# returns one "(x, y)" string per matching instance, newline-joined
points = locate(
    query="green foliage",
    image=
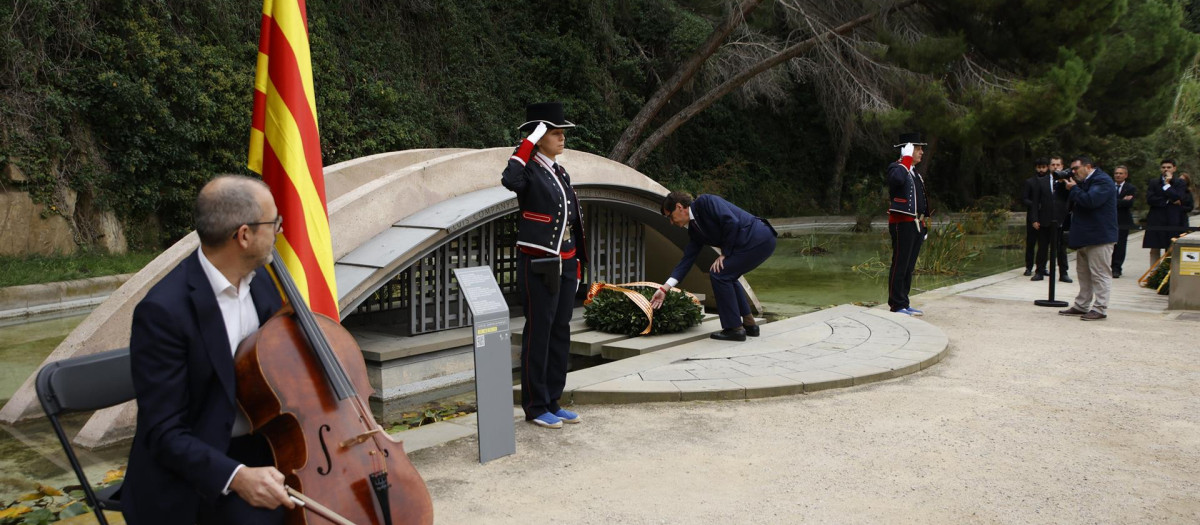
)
(134, 105)
(612, 312)
(1160, 274)
(36, 269)
(945, 251)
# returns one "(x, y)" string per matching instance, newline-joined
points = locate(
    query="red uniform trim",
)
(894, 218)
(525, 151)
(898, 199)
(537, 217)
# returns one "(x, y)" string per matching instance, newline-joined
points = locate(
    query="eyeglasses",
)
(278, 222)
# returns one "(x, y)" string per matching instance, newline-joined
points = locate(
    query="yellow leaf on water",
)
(14, 511)
(50, 491)
(113, 475)
(31, 496)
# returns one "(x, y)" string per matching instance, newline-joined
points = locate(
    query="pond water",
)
(790, 283)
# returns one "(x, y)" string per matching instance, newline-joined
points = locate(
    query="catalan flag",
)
(285, 148)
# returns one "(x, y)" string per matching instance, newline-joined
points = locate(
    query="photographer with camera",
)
(1093, 199)
(1050, 219)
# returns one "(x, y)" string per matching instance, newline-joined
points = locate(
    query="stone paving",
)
(834, 348)
(837, 347)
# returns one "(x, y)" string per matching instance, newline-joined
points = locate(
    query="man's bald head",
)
(224, 205)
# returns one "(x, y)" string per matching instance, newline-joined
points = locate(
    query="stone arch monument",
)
(399, 222)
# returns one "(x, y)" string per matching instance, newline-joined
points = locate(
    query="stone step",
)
(591, 343)
(636, 346)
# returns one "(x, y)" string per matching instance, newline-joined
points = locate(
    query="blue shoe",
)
(567, 416)
(904, 311)
(914, 312)
(547, 420)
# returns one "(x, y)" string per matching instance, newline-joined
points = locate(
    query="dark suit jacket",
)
(184, 378)
(1093, 211)
(719, 223)
(1029, 197)
(1125, 207)
(1050, 205)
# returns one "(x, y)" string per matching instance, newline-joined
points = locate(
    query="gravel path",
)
(1102, 425)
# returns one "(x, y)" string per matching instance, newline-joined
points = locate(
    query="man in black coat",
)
(1050, 219)
(1165, 195)
(1029, 197)
(1125, 195)
(192, 460)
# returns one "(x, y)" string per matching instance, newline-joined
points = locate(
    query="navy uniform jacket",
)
(719, 223)
(1093, 211)
(1125, 207)
(184, 378)
(543, 199)
(906, 193)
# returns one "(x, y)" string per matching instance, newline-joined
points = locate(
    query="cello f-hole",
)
(324, 471)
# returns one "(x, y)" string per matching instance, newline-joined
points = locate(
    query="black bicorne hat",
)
(914, 138)
(549, 112)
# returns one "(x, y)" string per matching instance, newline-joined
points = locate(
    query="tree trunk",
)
(728, 86)
(833, 198)
(684, 74)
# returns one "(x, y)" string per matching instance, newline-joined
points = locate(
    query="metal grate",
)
(425, 297)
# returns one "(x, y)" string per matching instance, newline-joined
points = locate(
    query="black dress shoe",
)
(732, 334)
(1037, 277)
(1116, 275)
(1028, 273)
(751, 329)
(1064, 278)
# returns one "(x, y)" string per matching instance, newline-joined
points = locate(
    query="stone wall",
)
(30, 228)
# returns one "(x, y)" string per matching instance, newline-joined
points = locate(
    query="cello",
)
(302, 384)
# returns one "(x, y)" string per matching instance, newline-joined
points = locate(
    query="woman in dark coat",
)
(1164, 195)
(552, 252)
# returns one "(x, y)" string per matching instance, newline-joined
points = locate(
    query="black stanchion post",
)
(1055, 235)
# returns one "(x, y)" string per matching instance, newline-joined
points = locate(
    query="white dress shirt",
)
(241, 320)
(671, 282)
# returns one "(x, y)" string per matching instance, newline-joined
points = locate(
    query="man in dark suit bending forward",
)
(745, 242)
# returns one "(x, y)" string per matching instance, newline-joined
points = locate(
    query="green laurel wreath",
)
(612, 312)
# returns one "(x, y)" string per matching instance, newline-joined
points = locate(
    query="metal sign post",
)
(493, 362)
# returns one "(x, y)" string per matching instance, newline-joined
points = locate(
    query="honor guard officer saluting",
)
(552, 253)
(907, 213)
(745, 242)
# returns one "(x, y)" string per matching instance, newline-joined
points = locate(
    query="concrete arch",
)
(384, 210)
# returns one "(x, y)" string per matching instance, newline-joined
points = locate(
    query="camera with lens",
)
(1062, 174)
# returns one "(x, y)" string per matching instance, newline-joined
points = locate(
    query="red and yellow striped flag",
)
(285, 148)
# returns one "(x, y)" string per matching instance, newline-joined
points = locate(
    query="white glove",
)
(538, 132)
(906, 150)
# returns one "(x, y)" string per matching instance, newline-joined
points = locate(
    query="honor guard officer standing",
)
(552, 250)
(745, 242)
(908, 209)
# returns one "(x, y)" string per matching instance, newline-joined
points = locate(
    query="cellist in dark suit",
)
(191, 460)
(1125, 194)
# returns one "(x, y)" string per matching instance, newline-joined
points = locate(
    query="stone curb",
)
(49, 300)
